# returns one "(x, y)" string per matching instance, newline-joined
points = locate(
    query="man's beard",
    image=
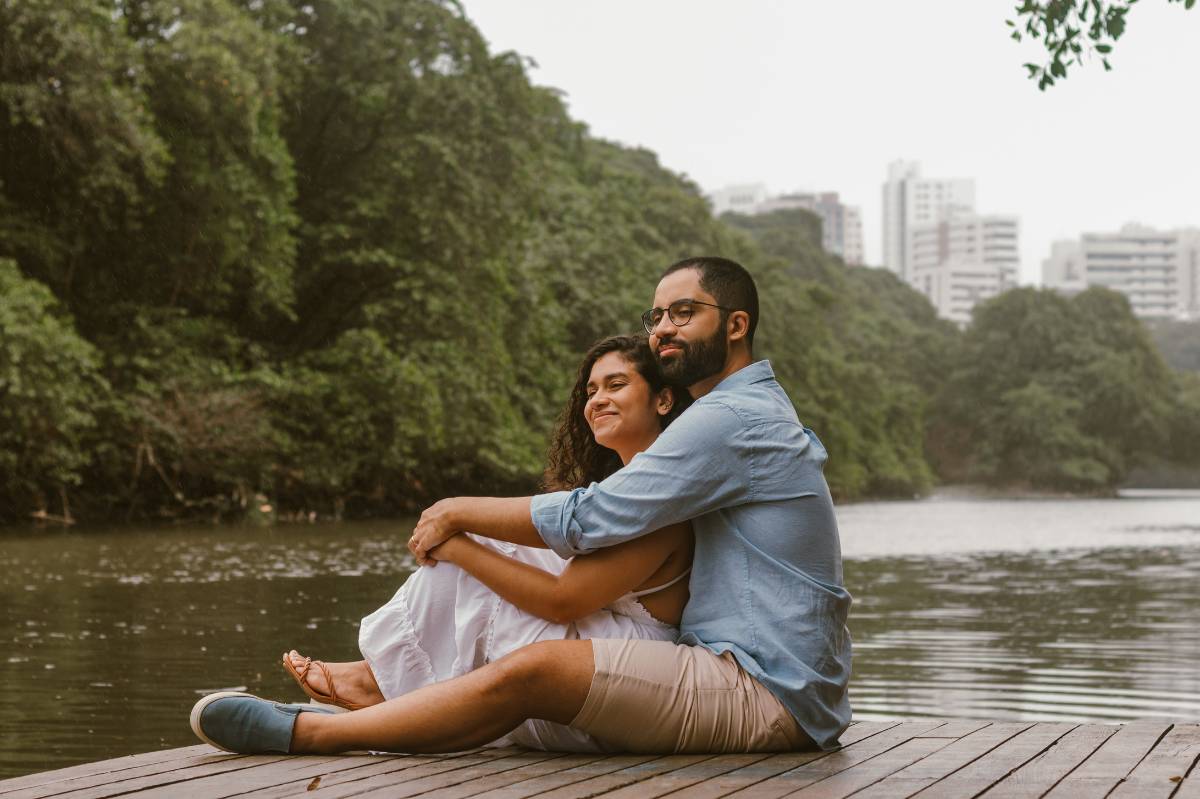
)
(696, 360)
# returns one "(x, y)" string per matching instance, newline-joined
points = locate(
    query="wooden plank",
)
(956, 728)
(981, 774)
(291, 769)
(627, 776)
(875, 769)
(1112, 762)
(172, 778)
(685, 777)
(521, 774)
(945, 761)
(729, 782)
(383, 786)
(1045, 771)
(106, 766)
(1162, 770)
(390, 769)
(1189, 788)
(549, 782)
(126, 780)
(835, 762)
(341, 782)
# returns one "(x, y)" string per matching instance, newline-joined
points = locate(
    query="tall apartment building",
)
(910, 200)
(963, 260)
(742, 199)
(841, 225)
(1159, 271)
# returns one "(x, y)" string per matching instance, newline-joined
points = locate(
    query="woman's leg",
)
(547, 680)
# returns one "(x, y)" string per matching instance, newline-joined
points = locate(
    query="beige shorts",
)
(659, 697)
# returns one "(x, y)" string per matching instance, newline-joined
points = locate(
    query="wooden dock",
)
(934, 758)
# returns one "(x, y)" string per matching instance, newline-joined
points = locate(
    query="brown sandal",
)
(301, 677)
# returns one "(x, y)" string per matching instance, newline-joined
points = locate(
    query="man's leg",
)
(547, 680)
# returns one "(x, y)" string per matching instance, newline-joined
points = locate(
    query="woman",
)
(495, 597)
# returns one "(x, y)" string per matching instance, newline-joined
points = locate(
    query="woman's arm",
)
(502, 518)
(586, 585)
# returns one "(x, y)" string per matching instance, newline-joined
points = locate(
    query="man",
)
(764, 656)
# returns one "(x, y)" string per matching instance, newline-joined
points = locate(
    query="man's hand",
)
(436, 525)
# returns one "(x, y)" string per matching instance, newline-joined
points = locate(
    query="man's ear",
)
(666, 401)
(738, 326)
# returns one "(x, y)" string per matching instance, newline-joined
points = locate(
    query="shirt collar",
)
(754, 373)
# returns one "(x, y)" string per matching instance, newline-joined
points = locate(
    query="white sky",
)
(808, 95)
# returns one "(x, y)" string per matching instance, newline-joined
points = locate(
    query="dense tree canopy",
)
(336, 256)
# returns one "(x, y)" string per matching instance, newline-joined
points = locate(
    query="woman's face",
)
(622, 410)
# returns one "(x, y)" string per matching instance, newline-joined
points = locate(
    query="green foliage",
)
(49, 384)
(1179, 342)
(1071, 31)
(1053, 393)
(1184, 421)
(338, 254)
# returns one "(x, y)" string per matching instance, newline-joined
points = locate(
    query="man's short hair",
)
(728, 282)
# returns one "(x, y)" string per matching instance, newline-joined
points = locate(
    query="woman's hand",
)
(436, 524)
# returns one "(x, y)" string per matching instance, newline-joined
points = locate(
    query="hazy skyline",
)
(823, 96)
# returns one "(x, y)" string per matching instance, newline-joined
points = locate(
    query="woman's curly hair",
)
(575, 459)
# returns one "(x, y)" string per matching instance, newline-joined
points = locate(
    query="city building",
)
(910, 200)
(743, 199)
(1159, 271)
(841, 225)
(963, 260)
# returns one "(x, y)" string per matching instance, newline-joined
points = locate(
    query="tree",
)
(1072, 31)
(1053, 393)
(49, 386)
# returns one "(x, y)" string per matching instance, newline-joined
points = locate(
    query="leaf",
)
(1104, 48)
(316, 783)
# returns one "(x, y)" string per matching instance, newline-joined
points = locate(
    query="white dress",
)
(443, 623)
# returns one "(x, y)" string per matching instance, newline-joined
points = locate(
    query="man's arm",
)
(702, 462)
(583, 587)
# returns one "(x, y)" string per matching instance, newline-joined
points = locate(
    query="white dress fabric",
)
(443, 623)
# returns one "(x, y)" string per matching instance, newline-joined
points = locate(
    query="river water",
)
(964, 607)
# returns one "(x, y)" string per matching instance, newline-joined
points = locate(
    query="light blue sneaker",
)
(246, 725)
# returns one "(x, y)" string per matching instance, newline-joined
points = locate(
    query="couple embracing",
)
(678, 590)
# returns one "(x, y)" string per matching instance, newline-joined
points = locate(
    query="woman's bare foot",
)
(353, 683)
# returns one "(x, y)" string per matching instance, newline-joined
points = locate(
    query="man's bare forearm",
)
(501, 518)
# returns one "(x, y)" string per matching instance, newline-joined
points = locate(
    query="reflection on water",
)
(1106, 635)
(1031, 610)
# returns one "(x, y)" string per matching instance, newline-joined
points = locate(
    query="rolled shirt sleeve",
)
(700, 463)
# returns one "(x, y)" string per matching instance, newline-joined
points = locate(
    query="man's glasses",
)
(680, 313)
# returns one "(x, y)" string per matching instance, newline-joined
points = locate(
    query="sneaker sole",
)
(198, 708)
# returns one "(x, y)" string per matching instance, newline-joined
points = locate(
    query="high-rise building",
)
(841, 225)
(963, 260)
(1159, 271)
(742, 199)
(910, 200)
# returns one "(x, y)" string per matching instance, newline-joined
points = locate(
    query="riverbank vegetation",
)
(339, 258)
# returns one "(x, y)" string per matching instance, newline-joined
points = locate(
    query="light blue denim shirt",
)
(766, 578)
